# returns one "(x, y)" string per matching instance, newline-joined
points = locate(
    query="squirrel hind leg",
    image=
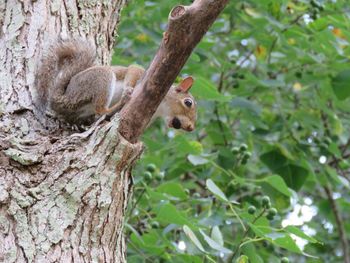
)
(117, 106)
(124, 91)
(133, 75)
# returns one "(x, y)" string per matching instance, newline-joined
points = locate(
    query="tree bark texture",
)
(187, 25)
(62, 194)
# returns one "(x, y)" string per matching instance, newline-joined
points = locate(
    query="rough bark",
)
(62, 195)
(187, 25)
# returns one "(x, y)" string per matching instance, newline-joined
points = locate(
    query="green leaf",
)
(294, 175)
(186, 258)
(288, 243)
(244, 104)
(274, 159)
(334, 175)
(242, 259)
(336, 124)
(135, 233)
(150, 243)
(333, 148)
(278, 183)
(197, 160)
(261, 231)
(173, 189)
(205, 89)
(213, 244)
(280, 239)
(250, 250)
(195, 57)
(193, 238)
(217, 235)
(341, 84)
(168, 213)
(296, 231)
(156, 196)
(212, 187)
(183, 145)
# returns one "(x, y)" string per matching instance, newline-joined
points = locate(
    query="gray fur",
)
(63, 60)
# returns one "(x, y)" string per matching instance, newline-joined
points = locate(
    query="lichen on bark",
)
(62, 194)
(74, 198)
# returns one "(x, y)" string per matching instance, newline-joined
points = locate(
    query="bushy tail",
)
(62, 61)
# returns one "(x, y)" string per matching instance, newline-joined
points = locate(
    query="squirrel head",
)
(181, 107)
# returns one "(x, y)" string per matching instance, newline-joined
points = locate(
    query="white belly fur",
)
(115, 92)
(115, 95)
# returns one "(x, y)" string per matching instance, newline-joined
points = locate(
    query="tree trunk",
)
(62, 195)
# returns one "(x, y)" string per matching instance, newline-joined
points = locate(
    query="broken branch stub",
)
(187, 25)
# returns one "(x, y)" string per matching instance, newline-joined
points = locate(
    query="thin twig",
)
(340, 224)
(246, 233)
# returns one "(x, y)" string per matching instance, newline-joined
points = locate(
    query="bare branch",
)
(187, 25)
(340, 224)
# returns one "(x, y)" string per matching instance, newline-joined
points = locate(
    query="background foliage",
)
(265, 176)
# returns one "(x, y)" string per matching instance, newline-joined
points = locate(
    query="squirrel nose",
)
(190, 128)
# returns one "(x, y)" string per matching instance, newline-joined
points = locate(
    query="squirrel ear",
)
(185, 85)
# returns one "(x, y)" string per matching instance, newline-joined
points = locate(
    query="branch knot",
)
(177, 11)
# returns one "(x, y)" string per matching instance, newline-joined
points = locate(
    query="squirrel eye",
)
(188, 102)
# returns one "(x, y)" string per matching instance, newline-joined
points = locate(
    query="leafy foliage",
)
(265, 176)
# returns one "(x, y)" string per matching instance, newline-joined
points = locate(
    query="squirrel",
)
(76, 90)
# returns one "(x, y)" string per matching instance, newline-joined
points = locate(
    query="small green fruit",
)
(196, 195)
(314, 3)
(272, 211)
(327, 140)
(323, 146)
(236, 85)
(251, 209)
(235, 150)
(317, 5)
(247, 155)
(298, 74)
(243, 187)
(148, 176)
(151, 167)
(159, 176)
(234, 75)
(155, 224)
(269, 217)
(241, 76)
(243, 147)
(284, 260)
(265, 200)
(315, 15)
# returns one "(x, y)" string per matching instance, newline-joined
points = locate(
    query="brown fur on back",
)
(62, 61)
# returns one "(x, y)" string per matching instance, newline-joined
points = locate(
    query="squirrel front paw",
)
(127, 94)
